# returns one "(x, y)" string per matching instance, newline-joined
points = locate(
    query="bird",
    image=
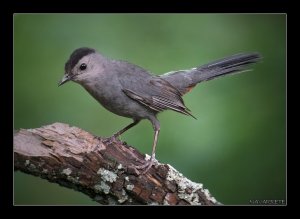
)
(131, 91)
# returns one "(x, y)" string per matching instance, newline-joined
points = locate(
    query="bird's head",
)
(83, 64)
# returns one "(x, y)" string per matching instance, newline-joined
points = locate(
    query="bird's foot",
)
(143, 168)
(112, 139)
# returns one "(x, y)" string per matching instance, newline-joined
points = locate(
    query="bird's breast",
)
(111, 96)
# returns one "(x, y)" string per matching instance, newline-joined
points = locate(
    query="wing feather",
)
(159, 95)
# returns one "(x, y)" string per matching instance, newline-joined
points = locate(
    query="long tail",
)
(185, 80)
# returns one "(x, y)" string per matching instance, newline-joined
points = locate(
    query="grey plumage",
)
(131, 91)
(184, 80)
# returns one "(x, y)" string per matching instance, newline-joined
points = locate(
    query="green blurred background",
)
(236, 148)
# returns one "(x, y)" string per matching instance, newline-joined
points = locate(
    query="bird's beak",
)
(65, 79)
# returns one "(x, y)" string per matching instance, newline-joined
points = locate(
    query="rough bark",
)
(101, 169)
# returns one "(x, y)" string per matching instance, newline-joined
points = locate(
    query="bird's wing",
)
(155, 93)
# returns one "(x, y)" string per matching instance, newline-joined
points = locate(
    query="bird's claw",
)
(143, 168)
(110, 140)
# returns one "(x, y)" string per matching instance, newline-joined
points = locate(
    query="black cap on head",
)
(76, 56)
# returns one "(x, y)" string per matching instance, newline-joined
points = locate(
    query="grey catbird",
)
(131, 91)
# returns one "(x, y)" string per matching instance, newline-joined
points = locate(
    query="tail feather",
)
(183, 80)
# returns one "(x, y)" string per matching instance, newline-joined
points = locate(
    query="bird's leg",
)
(145, 167)
(117, 134)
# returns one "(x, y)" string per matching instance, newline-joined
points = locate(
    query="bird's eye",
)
(83, 66)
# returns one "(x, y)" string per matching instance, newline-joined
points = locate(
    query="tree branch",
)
(103, 170)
